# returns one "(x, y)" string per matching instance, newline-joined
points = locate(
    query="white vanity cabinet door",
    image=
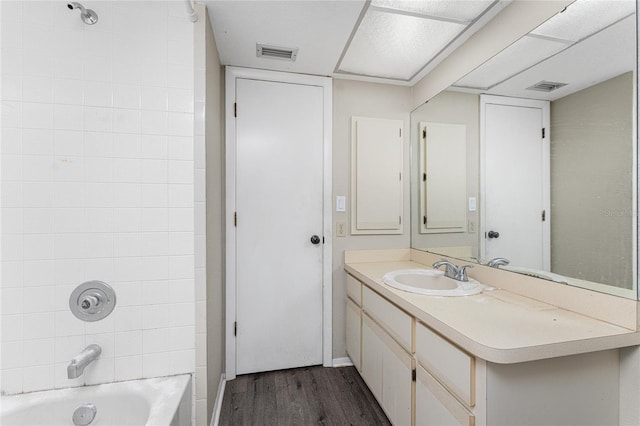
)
(435, 406)
(386, 368)
(354, 332)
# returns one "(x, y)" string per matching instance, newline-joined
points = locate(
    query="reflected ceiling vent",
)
(276, 52)
(546, 86)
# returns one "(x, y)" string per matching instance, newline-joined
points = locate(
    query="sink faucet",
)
(452, 271)
(497, 262)
(79, 362)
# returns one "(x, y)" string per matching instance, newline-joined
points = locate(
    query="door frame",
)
(546, 169)
(231, 76)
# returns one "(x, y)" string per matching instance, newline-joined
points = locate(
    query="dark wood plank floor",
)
(301, 396)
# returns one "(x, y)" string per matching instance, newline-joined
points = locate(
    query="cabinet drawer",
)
(452, 366)
(354, 332)
(394, 321)
(435, 406)
(354, 290)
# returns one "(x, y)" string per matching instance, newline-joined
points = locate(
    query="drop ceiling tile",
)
(585, 17)
(462, 10)
(519, 56)
(396, 46)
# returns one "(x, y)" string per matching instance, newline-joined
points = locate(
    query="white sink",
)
(431, 282)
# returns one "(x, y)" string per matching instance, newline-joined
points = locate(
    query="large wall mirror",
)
(546, 135)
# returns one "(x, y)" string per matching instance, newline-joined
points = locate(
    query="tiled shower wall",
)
(97, 180)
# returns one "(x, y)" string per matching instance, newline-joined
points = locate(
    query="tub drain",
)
(84, 414)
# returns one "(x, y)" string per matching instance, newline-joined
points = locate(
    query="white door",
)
(516, 181)
(279, 205)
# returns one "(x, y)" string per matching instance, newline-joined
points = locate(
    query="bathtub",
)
(163, 401)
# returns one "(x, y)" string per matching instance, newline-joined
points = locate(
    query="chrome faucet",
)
(452, 271)
(497, 262)
(79, 362)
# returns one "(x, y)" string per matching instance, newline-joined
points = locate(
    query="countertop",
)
(497, 325)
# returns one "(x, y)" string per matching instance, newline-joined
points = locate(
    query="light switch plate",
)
(472, 204)
(341, 202)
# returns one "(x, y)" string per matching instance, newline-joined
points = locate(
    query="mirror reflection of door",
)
(515, 181)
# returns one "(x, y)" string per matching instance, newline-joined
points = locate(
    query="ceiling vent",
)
(546, 86)
(276, 52)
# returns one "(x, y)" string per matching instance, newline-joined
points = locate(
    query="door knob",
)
(493, 234)
(315, 240)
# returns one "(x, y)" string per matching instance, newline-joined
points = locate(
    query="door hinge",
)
(413, 375)
(235, 328)
(424, 177)
(235, 218)
(424, 220)
(400, 175)
(544, 215)
(235, 109)
(424, 133)
(399, 220)
(543, 133)
(400, 131)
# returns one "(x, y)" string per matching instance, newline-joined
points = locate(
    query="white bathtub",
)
(164, 401)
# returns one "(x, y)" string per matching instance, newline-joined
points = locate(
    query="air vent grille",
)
(546, 86)
(275, 52)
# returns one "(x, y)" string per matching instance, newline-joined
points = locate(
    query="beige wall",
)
(215, 219)
(591, 183)
(451, 108)
(351, 98)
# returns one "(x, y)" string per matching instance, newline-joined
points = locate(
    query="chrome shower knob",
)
(92, 300)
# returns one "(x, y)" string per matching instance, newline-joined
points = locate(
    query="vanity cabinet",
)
(422, 378)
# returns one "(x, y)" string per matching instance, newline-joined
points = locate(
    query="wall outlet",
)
(472, 227)
(341, 229)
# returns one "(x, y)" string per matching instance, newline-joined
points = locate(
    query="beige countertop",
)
(498, 325)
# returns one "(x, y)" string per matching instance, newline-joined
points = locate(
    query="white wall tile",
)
(126, 120)
(128, 368)
(38, 272)
(126, 145)
(37, 115)
(12, 220)
(154, 244)
(155, 364)
(69, 117)
(155, 267)
(154, 219)
(155, 316)
(37, 378)
(126, 219)
(128, 269)
(181, 314)
(181, 362)
(181, 219)
(12, 355)
(68, 220)
(66, 347)
(38, 64)
(181, 338)
(38, 352)
(154, 98)
(11, 88)
(37, 246)
(155, 340)
(154, 122)
(181, 291)
(11, 380)
(37, 168)
(37, 89)
(68, 142)
(38, 299)
(126, 96)
(99, 245)
(68, 325)
(12, 140)
(105, 341)
(96, 68)
(11, 302)
(98, 119)
(38, 326)
(12, 328)
(36, 141)
(129, 294)
(11, 274)
(98, 144)
(128, 318)
(68, 271)
(156, 292)
(68, 91)
(98, 94)
(68, 169)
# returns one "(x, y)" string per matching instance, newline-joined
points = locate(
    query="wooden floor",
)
(301, 396)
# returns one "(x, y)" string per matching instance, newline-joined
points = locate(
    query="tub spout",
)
(79, 362)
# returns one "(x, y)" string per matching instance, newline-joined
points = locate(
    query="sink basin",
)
(431, 282)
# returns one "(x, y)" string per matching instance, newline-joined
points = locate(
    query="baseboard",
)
(215, 417)
(342, 362)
